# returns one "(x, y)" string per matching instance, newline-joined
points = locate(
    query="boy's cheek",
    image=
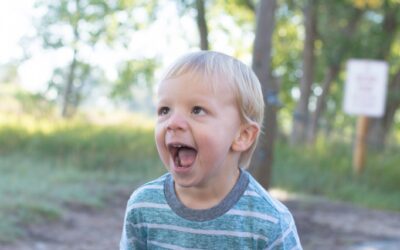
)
(158, 136)
(159, 145)
(163, 156)
(162, 153)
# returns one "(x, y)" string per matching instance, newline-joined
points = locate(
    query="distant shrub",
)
(85, 144)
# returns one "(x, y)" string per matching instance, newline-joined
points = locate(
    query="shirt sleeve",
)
(132, 237)
(288, 238)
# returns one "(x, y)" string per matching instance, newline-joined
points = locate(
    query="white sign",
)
(365, 89)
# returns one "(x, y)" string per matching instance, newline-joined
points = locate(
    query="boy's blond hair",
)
(215, 66)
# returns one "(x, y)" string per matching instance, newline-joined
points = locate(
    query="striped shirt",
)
(247, 218)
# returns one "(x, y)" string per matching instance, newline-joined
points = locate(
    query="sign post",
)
(360, 144)
(365, 96)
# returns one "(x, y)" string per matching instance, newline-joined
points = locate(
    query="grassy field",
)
(48, 165)
(326, 170)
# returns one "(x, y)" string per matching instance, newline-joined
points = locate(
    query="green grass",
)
(48, 164)
(45, 167)
(34, 189)
(326, 170)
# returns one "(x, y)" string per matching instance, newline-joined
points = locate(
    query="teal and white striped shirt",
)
(247, 218)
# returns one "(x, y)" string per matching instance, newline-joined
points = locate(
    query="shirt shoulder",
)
(256, 193)
(150, 192)
(282, 229)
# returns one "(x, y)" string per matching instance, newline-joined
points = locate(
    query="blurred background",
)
(77, 82)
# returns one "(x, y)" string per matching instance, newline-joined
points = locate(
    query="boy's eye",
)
(197, 110)
(163, 111)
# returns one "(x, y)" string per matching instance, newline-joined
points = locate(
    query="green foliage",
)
(242, 11)
(35, 104)
(286, 63)
(9, 71)
(134, 73)
(82, 26)
(88, 77)
(344, 31)
(86, 17)
(337, 41)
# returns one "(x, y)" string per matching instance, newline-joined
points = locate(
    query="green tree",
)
(337, 42)
(79, 26)
(386, 40)
(9, 72)
(301, 113)
(241, 11)
(133, 73)
(200, 9)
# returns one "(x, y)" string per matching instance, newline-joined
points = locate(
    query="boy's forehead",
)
(214, 82)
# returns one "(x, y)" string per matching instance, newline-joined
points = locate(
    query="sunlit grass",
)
(47, 164)
(86, 143)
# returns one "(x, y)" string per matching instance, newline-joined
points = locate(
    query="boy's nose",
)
(177, 121)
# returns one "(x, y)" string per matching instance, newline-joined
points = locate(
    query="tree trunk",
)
(301, 114)
(65, 112)
(380, 127)
(263, 156)
(330, 75)
(202, 24)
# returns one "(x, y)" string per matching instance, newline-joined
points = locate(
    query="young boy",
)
(210, 110)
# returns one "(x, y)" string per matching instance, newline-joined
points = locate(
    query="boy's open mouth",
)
(183, 155)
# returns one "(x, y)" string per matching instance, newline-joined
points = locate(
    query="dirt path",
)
(81, 228)
(328, 225)
(322, 224)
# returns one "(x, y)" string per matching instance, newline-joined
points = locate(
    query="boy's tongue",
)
(186, 156)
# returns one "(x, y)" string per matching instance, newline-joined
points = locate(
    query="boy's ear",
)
(246, 136)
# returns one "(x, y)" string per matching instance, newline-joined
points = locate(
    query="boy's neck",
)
(207, 196)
